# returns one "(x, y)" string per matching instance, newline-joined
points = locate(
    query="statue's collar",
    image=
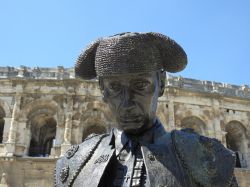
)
(119, 138)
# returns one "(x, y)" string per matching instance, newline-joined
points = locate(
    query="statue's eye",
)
(115, 86)
(141, 85)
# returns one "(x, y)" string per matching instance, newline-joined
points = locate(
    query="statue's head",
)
(131, 71)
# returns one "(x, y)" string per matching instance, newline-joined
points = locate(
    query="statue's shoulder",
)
(208, 162)
(70, 164)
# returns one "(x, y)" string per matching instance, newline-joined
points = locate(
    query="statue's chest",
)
(162, 169)
(148, 168)
(126, 169)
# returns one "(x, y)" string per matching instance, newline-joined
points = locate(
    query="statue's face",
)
(133, 100)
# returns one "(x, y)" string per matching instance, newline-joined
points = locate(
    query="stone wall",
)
(28, 172)
(243, 177)
(43, 111)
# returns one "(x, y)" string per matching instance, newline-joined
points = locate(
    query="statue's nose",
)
(127, 100)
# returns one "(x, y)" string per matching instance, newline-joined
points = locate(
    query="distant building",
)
(43, 111)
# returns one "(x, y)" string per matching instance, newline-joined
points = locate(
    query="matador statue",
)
(131, 69)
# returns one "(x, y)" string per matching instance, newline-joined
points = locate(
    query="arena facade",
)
(43, 111)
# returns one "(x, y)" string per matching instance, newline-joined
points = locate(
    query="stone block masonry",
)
(43, 111)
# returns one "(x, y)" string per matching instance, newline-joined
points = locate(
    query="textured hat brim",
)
(85, 64)
(172, 57)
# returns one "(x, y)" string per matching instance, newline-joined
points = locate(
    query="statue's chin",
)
(130, 126)
(133, 128)
(137, 126)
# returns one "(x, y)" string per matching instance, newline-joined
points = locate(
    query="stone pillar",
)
(3, 182)
(13, 127)
(216, 120)
(67, 134)
(171, 114)
(77, 131)
(27, 141)
(223, 138)
(10, 144)
(68, 126)
(7, 122)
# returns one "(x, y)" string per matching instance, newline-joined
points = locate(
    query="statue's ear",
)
(85, 64)
(162, 79)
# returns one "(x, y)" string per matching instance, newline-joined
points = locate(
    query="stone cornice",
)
(61, 76)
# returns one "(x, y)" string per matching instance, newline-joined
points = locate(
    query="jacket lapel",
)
(161, 164)
(96, 165)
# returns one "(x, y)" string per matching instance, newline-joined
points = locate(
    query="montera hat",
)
(130, 53)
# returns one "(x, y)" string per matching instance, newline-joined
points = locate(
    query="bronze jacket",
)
(180, 158)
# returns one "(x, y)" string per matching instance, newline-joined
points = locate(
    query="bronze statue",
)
(138, 151)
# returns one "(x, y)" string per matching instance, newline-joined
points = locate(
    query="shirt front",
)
(127, 168)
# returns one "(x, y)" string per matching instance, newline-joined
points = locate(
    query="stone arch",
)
(42, 125)
(236, 140)
(96, 111)
(95, 123)
(43, 133)
(94, 119)
(194, 123)
(96, 107)
(41, 104)
(95, 128)
(5, 108)
(2, 115)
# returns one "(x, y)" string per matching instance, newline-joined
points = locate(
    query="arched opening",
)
(97, 129)
(194, 123)
(43, 133)
(2, 115)
(235, 140)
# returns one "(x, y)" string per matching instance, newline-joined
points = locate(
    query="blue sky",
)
(215, 34)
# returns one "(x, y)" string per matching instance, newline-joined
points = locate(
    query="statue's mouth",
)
(131, 119)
